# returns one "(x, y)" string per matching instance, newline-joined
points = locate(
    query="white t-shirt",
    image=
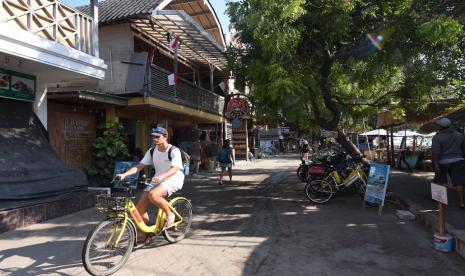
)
(161, 162)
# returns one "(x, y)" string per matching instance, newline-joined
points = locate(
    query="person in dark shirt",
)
(227, 160)
(448, 150)
(305, 150)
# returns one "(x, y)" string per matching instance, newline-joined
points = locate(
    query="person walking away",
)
(448, 150)
(226, 159)
(168, 177)
(304, 150)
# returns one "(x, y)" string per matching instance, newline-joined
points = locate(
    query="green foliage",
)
(107, 149)
(311, 62)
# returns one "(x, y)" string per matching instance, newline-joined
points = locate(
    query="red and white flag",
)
(173, 79)
(174, 42)
(224, 85)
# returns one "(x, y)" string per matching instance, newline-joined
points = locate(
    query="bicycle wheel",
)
(100, 256)
(184, 208)
(319, 191)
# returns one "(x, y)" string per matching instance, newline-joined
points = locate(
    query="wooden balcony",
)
(184, 93)
(50, 19)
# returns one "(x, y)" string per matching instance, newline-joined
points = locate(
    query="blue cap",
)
(159, 130)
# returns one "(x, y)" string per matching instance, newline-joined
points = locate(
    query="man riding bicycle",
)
(168, 177)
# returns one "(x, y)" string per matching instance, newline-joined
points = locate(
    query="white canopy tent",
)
(407, 132)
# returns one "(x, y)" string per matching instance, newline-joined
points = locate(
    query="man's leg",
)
(460, 192)
(158, 197)
(230, 174)
(457, 178)
(142, 205)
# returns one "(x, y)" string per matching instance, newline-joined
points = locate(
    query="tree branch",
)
(374, 103)
(326, 92)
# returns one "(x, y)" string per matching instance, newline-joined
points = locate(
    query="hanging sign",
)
(439, 193)
(236, 123)
(18, 86)
(237, 107)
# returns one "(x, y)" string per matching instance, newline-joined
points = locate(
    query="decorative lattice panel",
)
(49, 19)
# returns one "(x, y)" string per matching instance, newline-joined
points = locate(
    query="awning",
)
(196, 43)
(85, 96)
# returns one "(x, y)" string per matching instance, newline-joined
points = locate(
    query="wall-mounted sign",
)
(18, 86)
(237, 108)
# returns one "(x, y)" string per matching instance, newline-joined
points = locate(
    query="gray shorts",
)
(169, 184)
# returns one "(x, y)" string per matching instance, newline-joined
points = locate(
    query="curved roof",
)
(204, 14)
(201, 11)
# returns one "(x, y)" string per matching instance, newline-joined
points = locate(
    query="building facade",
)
(134, 41)
(42, 43)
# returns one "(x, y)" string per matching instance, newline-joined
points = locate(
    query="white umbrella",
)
(375, 132)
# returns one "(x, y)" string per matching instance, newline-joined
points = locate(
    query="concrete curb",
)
(431, 220)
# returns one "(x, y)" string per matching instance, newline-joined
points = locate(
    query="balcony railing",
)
(50, 19)
(185, 93)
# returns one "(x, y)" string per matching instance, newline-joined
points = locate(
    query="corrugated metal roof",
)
(114, 10)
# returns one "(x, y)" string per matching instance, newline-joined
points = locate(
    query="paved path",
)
(415, 188)
(248, 229)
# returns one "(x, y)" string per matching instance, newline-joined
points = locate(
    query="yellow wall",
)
(176, 108)
(111, 114)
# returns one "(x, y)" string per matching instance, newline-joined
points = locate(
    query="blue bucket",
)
(444, 243)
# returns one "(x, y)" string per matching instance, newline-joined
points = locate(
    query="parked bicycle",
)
(322, 190)
(109, 244)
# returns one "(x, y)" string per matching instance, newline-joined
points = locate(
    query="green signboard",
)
(18, 86)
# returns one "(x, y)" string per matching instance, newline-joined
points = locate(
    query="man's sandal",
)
(169, 221)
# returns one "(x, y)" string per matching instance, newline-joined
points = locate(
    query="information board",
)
(123, 166)
(377, 184)
(18, 86)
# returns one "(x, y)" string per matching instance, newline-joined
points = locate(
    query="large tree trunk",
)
(345, 142)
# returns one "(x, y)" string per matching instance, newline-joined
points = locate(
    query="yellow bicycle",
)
(323, 189)
(109, 244)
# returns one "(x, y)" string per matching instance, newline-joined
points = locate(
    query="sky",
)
(218, 5)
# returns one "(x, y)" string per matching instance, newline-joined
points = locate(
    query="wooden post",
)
(442, 219)
(212, 69)
(176, 74)
(388, 154)
(94, 28)
(393, 160)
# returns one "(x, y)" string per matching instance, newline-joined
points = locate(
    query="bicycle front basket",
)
(106, 204)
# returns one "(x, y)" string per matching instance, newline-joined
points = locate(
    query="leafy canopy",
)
(333, 63)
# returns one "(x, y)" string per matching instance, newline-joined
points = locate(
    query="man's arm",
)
(131, 171)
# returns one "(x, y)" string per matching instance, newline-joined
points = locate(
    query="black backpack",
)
(186, 159)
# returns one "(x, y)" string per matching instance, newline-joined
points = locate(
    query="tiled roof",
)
(114, 10)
